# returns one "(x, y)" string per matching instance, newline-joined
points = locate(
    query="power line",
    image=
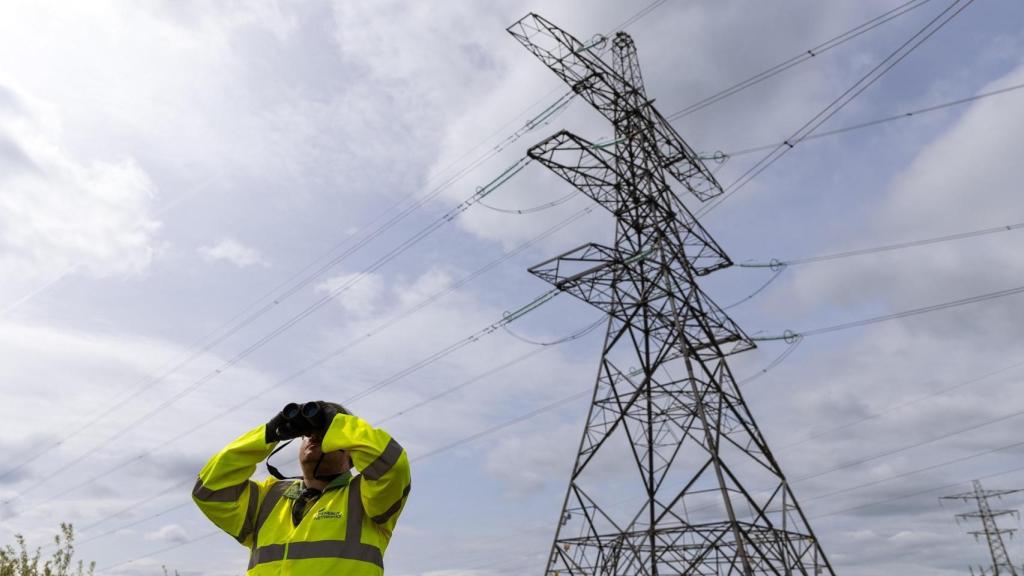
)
(915, 471)
(416, 366)
(423, 304)
(858, 87)
(878, 121)
(915, 493)
(900, 405)
(573, 336)
(453, 347)
(897, 315)
(911, 446)
(776, 264)
(636, 17)
(532, 209)
(892, 477)
(306, 312)
(175, 546)
(760, 289)
(251, 313)
(800, 58)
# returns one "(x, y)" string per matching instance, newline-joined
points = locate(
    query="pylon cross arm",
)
(618, 100)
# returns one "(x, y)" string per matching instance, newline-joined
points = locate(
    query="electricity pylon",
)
(685, 451)
(1001, 565)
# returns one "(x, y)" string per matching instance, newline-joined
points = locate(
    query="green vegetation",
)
(18, 561)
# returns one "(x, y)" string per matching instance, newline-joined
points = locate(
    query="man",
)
(331, 522)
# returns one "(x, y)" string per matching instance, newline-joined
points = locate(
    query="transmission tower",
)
(705, 496)
(1001, 565)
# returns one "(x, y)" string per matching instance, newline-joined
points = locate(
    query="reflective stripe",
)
(264, 554)
(382, 518)
(384, 462)
(273, 495)
(320, 549)
(354, 524)
(269, 502)
(250, 512)
(335, 549)
(229, 494)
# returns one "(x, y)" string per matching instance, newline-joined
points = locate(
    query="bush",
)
(17, 561)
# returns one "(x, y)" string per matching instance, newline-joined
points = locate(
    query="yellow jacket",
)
(344, 532)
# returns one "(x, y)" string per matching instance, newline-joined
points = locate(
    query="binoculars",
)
(294, 412)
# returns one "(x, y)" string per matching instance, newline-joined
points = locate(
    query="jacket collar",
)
(295, 490)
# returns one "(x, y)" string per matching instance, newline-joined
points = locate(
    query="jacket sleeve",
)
(224, 492)
(382, 463)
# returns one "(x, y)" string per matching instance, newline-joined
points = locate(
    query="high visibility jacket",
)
(343, 533)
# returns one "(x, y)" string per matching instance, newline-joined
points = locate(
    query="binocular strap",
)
(277, 473)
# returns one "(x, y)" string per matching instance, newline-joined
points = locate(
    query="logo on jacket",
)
(327, 515)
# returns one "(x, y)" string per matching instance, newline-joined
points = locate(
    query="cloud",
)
(359, 293)
(969, 171)
(234, 252)
(59, 212)
(169, 533)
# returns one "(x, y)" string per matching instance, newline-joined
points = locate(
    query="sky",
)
(206, 212)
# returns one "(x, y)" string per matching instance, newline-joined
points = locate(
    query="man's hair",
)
(341, 409)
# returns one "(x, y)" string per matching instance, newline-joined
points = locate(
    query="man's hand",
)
(289, 423)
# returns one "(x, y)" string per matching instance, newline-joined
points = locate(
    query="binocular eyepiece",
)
(308, 411)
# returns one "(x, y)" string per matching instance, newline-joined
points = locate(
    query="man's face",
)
(309, 454)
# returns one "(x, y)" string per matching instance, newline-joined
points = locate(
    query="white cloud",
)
(234, 252)
(58, 212)
(169, 533)
(359, 293)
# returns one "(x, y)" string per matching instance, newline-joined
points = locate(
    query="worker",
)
(329, 522)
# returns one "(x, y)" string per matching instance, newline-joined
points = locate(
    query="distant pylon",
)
(668, 428)
(1001, 564)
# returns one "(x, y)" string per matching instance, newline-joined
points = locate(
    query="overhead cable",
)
(777, 264)
(760, 289)
(455, 346)
(858, 87)
(878, 121)
(335, 353)
(573, 336)
(899, 405)
(404, 372)
(533, 209)
(800, 58)
(274, 297)
(894, 316)
(295, 319)
(475, 379)
(911, 446)
(919, 492)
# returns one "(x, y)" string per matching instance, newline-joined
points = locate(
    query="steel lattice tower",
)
(706, 495)
(1001, 565)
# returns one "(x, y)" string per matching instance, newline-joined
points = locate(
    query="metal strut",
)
(663, 478)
